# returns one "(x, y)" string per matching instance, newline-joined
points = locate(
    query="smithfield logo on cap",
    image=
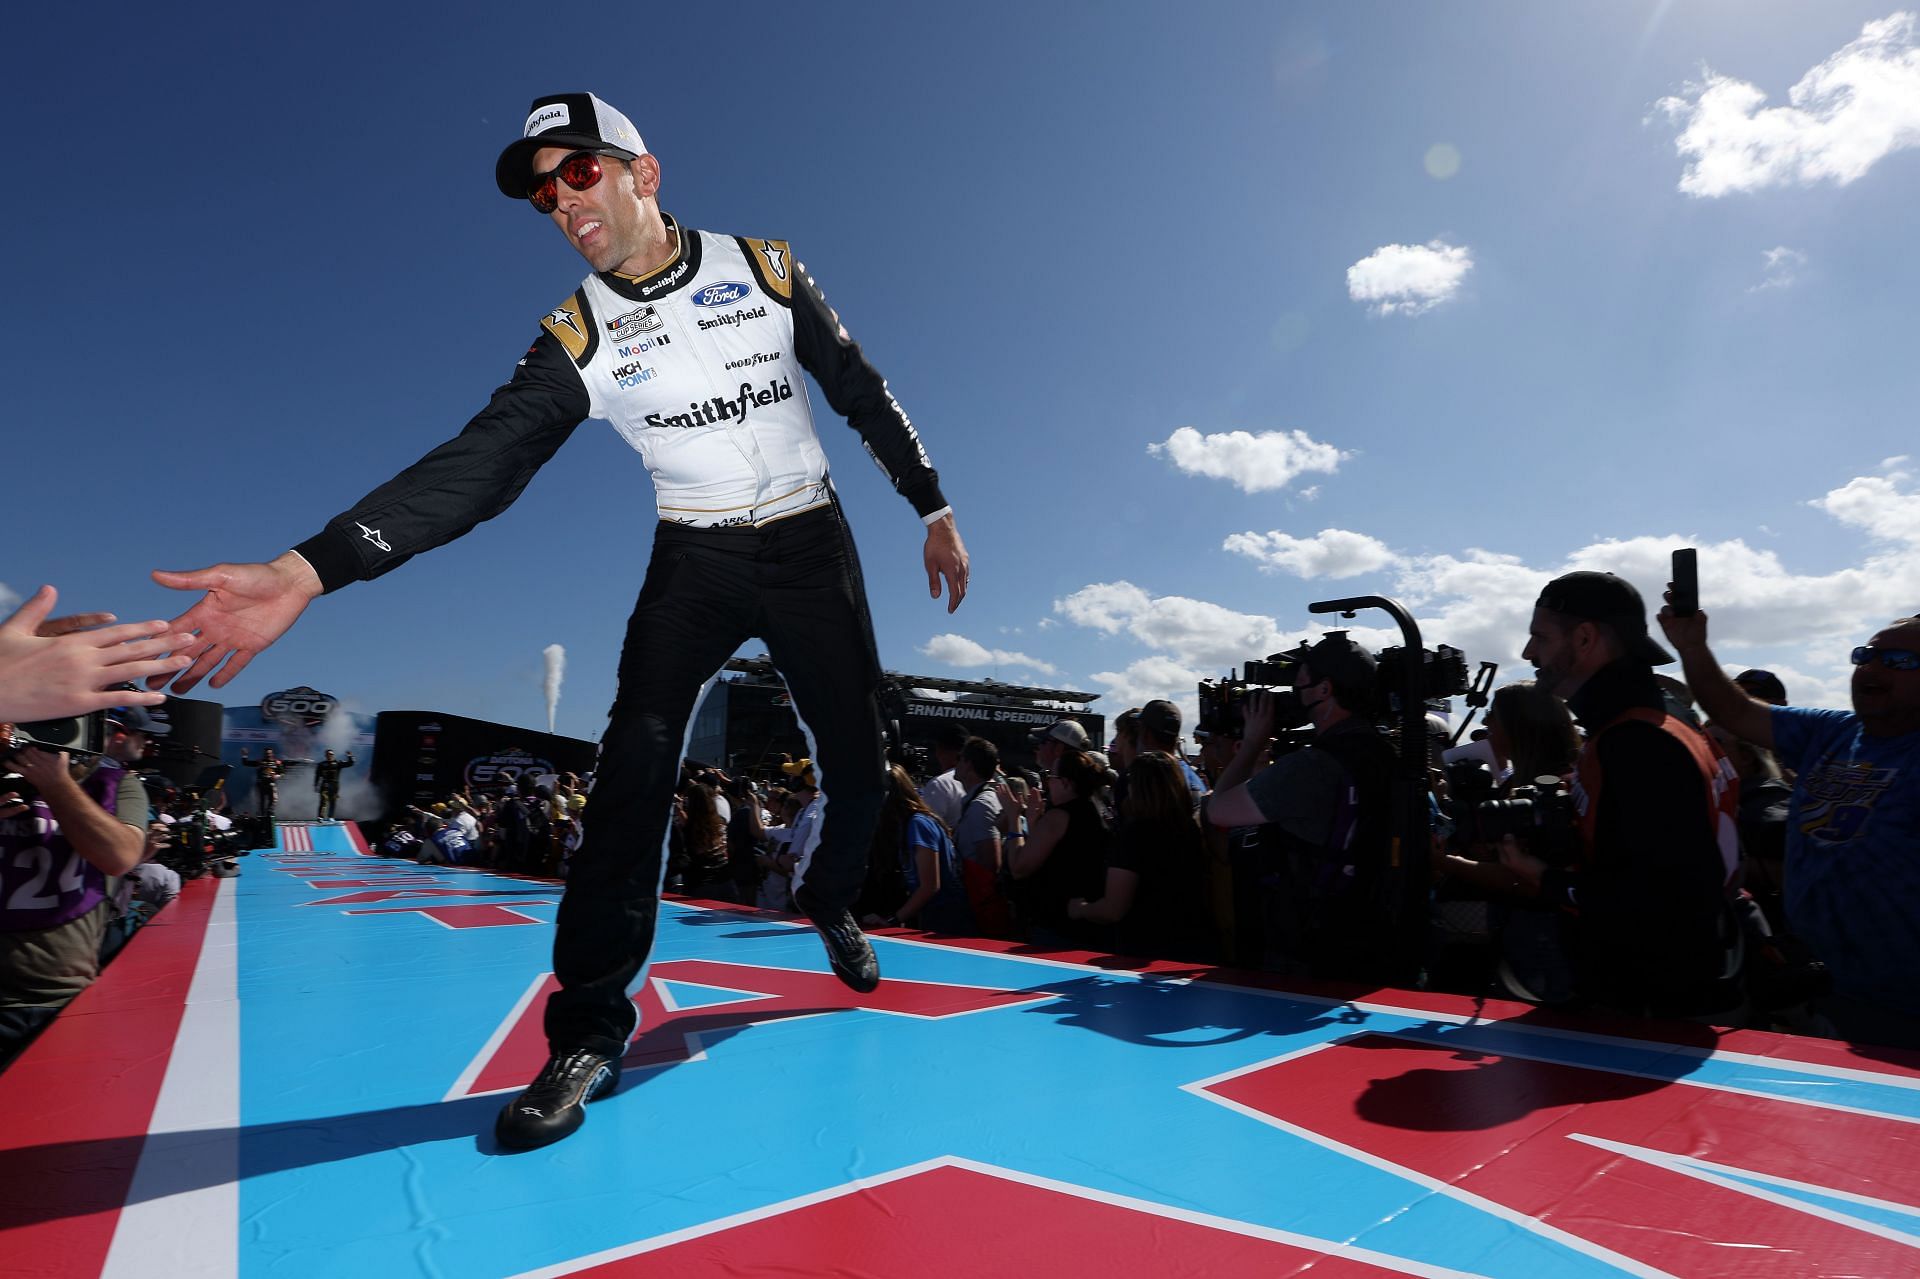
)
(725, 293)
(547, 117)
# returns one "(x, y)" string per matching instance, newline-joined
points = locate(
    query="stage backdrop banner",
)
(422, 756)
(301, 725)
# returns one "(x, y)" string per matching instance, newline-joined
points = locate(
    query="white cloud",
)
(1104, 606)
(9, 598)
(1409, 279)
(1152, 677)
(958, 650)
(1765, 613)
(1843, 117)
(1255, 463)
(1875, 505)
(1782, 268)
(1332, 552)
(1192, 632)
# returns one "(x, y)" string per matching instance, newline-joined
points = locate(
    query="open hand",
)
(53, 667)
(246, 608)
(946, 557)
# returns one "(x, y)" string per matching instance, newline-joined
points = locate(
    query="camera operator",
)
(58, 847)
(1327, 808)
(1645, 895)
(1852, 888)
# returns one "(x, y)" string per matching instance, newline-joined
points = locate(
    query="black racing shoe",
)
(848, 949)
(553, 1105)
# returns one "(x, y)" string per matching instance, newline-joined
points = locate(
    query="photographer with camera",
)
(1328, 818)
(1852, 889)
(63, 832)
(1644, 897)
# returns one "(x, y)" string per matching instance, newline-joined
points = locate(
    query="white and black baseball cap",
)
(578, 120)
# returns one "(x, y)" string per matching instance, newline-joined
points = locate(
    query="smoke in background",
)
(359, 800)
(556, 671)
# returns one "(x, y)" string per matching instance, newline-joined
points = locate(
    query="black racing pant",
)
(328, 800)
(794, 583)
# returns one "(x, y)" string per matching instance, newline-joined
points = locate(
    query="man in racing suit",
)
(692, 345)
(326, 784)
(267, 785)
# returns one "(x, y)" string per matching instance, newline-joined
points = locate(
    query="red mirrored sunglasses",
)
(579, 171)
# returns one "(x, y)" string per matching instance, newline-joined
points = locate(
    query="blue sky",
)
(256, 265)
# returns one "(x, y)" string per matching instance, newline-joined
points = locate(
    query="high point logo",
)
(644, 320)
(725, 293)
(716, 410)
(632, 375)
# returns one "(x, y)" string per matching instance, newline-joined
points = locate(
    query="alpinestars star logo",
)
(372, 535)
(776, 260)
(568, 316)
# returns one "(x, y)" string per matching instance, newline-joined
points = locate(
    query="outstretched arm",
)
(1719, 696)
(50, 667)
(946, 557)
(246, 607)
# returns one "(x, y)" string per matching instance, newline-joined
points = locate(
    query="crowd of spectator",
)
(91, 849)
(527, 826)
(1598, 844)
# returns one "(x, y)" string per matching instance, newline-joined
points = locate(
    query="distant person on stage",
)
(694, 346)
(266, 794)
(326, 782)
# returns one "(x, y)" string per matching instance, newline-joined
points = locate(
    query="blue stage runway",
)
(294, 1073)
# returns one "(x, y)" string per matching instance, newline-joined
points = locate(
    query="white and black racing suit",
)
(699, 366)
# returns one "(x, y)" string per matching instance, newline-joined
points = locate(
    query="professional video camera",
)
(1542, 814)
(82, 735)
(1441, 673)
(197, 849)
(1223, 702)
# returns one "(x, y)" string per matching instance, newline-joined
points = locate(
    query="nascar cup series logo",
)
(644, 320)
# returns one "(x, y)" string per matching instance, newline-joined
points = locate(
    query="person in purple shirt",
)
(61, 836)
(1853, 825)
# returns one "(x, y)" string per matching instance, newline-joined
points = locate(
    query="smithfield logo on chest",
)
(725, 293)
(732, 409)
(643, 320)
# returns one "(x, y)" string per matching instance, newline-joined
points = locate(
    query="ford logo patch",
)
(725, 293)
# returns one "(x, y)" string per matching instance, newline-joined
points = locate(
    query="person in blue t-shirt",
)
(1853, 825)
(927, 866)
